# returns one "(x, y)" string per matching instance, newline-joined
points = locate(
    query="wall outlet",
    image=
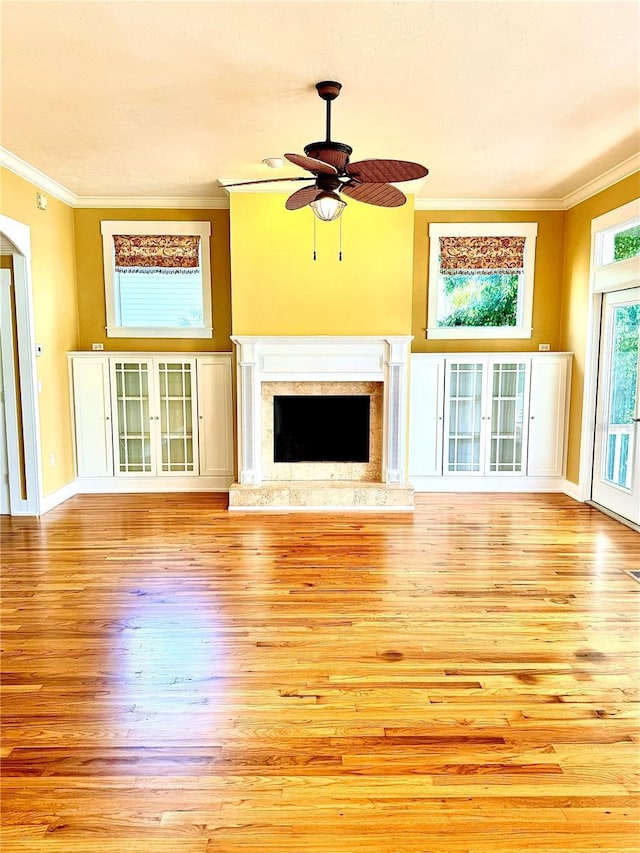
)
(97, 346)
(39, 349)
(41, 201)
(544, 347)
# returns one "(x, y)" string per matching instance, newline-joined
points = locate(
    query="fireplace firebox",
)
(324, 428)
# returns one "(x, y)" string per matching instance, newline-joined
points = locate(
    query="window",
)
(616, 248)
(157, 279)
(481, 279)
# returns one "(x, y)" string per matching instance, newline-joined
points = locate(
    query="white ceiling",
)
(508, 100)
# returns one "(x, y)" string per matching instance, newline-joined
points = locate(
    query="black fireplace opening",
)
(327, 428)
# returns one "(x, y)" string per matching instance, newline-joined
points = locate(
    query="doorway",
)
(616, 457)
(19, 377)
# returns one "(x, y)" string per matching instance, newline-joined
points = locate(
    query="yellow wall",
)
(55, 317)
(547, 285)
(91, 302)
(278, 289)
(575, 296)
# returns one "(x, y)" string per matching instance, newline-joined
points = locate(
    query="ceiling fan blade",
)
(382, 195)
(300, 198)
(262, 181)
(385, 171)
(311, 164)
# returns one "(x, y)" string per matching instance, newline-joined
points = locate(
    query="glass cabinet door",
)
(133, 425)
(177, 415)
(464, 417)
(508, 386)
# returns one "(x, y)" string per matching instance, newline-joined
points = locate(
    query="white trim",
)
(148, 202)
(9, 385)
(478, 332)
(617, 217)
(572, 490)
(489, 204)
(35, 176)
(606, 179)
(606, 221)
(529, 230)
(61, 495)
(108, 228)
(158, 332)
(125, 484)
(487, 483)
(20, 235)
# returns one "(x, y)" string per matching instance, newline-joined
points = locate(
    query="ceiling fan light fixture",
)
(328, 206)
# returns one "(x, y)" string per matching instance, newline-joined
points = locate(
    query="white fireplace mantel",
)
(316, 359)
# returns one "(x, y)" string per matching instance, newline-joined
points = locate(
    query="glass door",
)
(177, 417)
(507, 436)
(132, 437)
(463, 426)
(616, 470)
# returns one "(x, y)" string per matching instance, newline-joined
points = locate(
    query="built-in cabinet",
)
(488, 421)
(158, 421)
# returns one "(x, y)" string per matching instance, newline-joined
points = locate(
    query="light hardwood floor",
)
(177, 679)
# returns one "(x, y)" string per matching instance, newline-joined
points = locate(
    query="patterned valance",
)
(169, 253)
(464, 255)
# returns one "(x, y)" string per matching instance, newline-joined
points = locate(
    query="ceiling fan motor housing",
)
(335, 153)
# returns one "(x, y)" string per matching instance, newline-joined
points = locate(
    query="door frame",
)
(602, 280)
(19, 236)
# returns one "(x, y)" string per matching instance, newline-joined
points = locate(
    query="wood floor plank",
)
(178, 678)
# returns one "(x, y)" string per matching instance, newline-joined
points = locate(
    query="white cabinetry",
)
(488, 422)
(92, 416)
(152, 422)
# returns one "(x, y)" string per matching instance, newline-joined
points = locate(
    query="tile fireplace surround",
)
(318, 365)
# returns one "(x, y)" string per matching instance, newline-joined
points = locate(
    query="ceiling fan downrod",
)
(328, 90)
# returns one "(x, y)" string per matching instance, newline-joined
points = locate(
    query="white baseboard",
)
(572, 490)
(487, 484)
(61, 495)
(138, 485)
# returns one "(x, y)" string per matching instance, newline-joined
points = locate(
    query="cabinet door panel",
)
(547, 416)
(132, 430)
(426, 417)
(91, 397)
(178, 430)
(215, 417)
(463, 426)
(508, 425)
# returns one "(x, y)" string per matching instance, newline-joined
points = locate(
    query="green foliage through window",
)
(626, 244)
(481, 299)
(625, 364)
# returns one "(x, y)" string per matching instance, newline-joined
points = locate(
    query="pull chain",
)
(315, 256)
(340, 247)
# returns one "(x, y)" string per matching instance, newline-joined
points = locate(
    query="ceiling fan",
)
(368, 181)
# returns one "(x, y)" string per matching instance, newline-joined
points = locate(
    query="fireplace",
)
(332, 428)
(326, 385)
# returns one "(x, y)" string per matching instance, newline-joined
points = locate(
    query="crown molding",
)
(607, 179)
(39, 179)
(162, 202)
(489, 204)
(35, 176)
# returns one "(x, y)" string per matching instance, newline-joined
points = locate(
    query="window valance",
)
(465, 255)
(168, 253)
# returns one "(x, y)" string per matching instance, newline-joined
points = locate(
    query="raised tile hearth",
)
(314, 495)
(277, 367)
